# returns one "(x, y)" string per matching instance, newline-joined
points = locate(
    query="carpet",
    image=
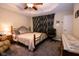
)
(46, 48)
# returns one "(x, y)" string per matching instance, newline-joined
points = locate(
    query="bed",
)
(70, 43)
(30, 39)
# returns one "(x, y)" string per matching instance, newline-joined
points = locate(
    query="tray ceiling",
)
(46, 8)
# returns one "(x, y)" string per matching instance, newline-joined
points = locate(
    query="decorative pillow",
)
(16, 32)
(23, 29)
(1, 43)
(6, 42)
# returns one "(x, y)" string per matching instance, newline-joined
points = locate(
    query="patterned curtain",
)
(43, 23)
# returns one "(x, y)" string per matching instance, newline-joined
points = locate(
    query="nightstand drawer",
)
(5, 37)
(2, 38)
(9, 37)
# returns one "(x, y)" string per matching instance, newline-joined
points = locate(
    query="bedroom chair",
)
(4, 44)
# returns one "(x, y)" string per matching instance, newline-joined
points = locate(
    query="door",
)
(67, 24)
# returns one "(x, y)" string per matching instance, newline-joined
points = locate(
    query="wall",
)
(15, 19)
(68, 24)
(59, 16)
(76, 22)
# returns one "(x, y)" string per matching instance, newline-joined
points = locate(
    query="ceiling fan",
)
(32, 5)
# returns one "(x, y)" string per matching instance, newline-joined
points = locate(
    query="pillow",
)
(16, 32)
(1, 43)
(23, 29)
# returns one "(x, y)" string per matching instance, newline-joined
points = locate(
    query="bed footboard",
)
(34, 39)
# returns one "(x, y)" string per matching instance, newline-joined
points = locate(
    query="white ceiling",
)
(46, 8)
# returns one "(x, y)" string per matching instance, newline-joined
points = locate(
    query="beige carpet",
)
(46, 48)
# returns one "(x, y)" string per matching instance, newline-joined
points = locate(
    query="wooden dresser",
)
(6, 37)
(9, 37)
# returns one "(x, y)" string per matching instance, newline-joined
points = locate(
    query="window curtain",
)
(43, 23)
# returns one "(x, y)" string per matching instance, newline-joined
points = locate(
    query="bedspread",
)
(28, 39)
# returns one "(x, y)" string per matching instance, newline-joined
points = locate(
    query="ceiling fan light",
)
(30, 5)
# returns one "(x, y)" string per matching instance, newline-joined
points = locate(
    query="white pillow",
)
(23, 31)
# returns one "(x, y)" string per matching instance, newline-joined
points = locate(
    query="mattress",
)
(29, 36)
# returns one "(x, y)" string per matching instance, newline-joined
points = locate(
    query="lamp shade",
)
(5, 29)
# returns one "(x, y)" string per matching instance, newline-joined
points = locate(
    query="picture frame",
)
(77, 14)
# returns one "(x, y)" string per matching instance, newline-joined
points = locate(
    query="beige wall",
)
(15, 19)
(76, 22)
(59, 16)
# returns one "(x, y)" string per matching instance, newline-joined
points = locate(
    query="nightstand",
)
(52, 34)
(7, 37)
(10, 37)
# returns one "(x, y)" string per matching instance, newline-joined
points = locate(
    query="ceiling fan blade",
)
(20, 6)
(34, 8)
(26, 7)
(37, 3)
